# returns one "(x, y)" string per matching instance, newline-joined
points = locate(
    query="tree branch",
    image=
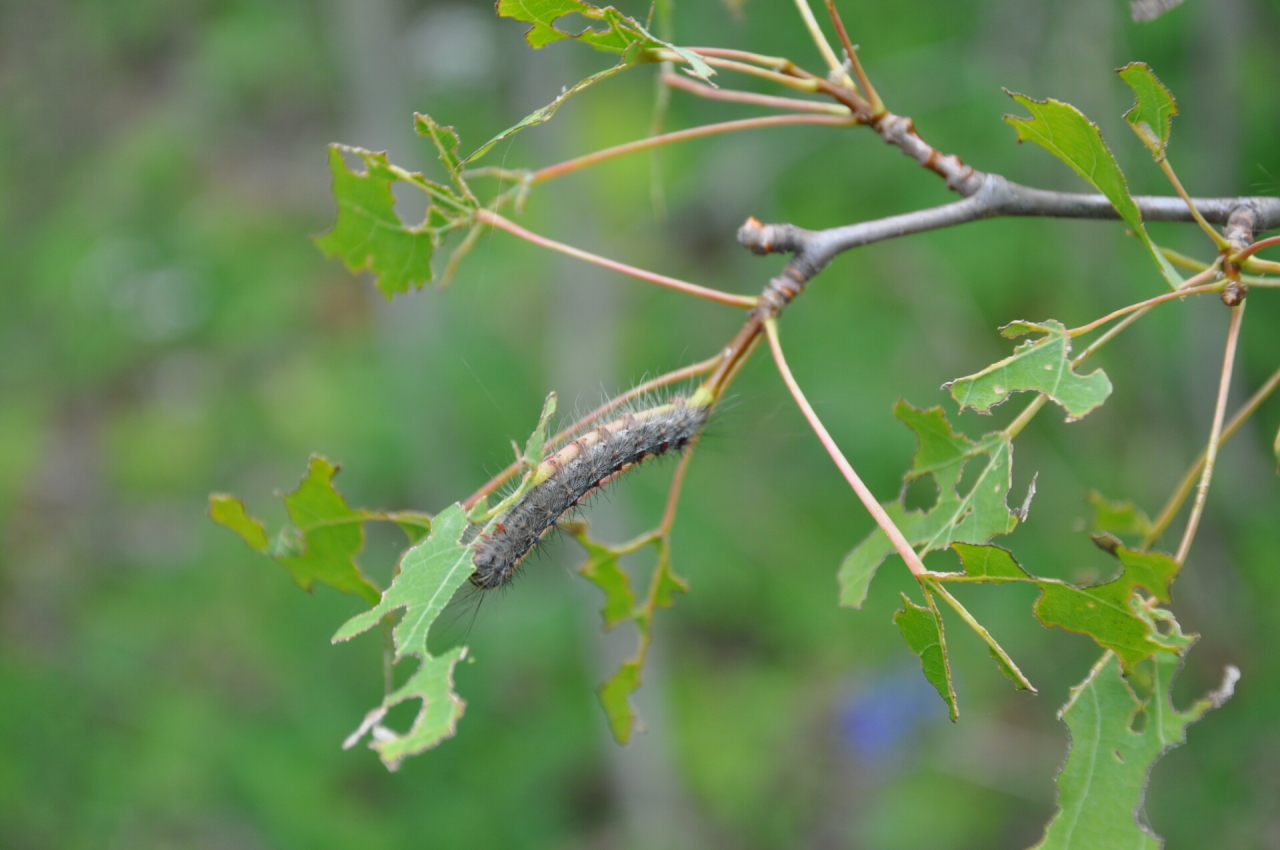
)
(995, 197)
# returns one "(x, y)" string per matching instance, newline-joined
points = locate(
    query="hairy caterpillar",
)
(576, 471)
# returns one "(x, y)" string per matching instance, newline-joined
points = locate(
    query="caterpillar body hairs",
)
(576, 471)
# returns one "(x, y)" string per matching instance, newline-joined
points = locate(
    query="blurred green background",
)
(168, 329)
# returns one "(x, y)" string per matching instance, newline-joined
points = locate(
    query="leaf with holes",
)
(1116, 738)
(368, 235)
(1113, 613)
(619, 35)
(972, 517)
(603, 570)
(326, 535)
(1063, 131)
(1039, 365)
(429, 574)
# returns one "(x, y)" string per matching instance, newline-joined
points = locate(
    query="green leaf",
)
(227, 510)
(615, 699)
(1041, 365)
(972, 517)
(922, 629)
(1153, 113)
(368, 235)
(1113, 613)
(619, 33)
(1104, 779)
(603, 570)
(429, 574)
(1123, 519)
(325, 536)
(1063, 131)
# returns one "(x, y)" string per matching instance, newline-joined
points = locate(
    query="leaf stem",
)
(1215, 433)
(868, 90)
(1255, 247)
(562, 168)
(982, 632)
(1192, 287)
(693, 87)
(743, 301)
(1217, 237)
(673, 496)
(1180, 493)
(799, 83)
(868, 500)
(820, 41)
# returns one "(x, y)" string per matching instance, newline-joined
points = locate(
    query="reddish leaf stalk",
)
(1215, 434)
(676, 81)
(562, 168)
(869, 501)
(490, 217)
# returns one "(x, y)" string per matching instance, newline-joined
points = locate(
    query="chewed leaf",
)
(369, 235)
(326, 535)
(1104, 779)
(1123, 519)
(617, 33)
(1114, 613)
(1152, 115)
(429, 574)
(603, 570)
(922, 629)
(1042, 365)
(227, 510)
(1063, 131)
(972, 517)
(446, 142)
(615, 699)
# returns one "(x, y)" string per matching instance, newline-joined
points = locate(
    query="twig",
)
(1215, 433)
(562, 168)
(1180, 493)
(868, 500)
(994, 197)
(744, 301)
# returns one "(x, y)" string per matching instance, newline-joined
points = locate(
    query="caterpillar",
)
(576, 471)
